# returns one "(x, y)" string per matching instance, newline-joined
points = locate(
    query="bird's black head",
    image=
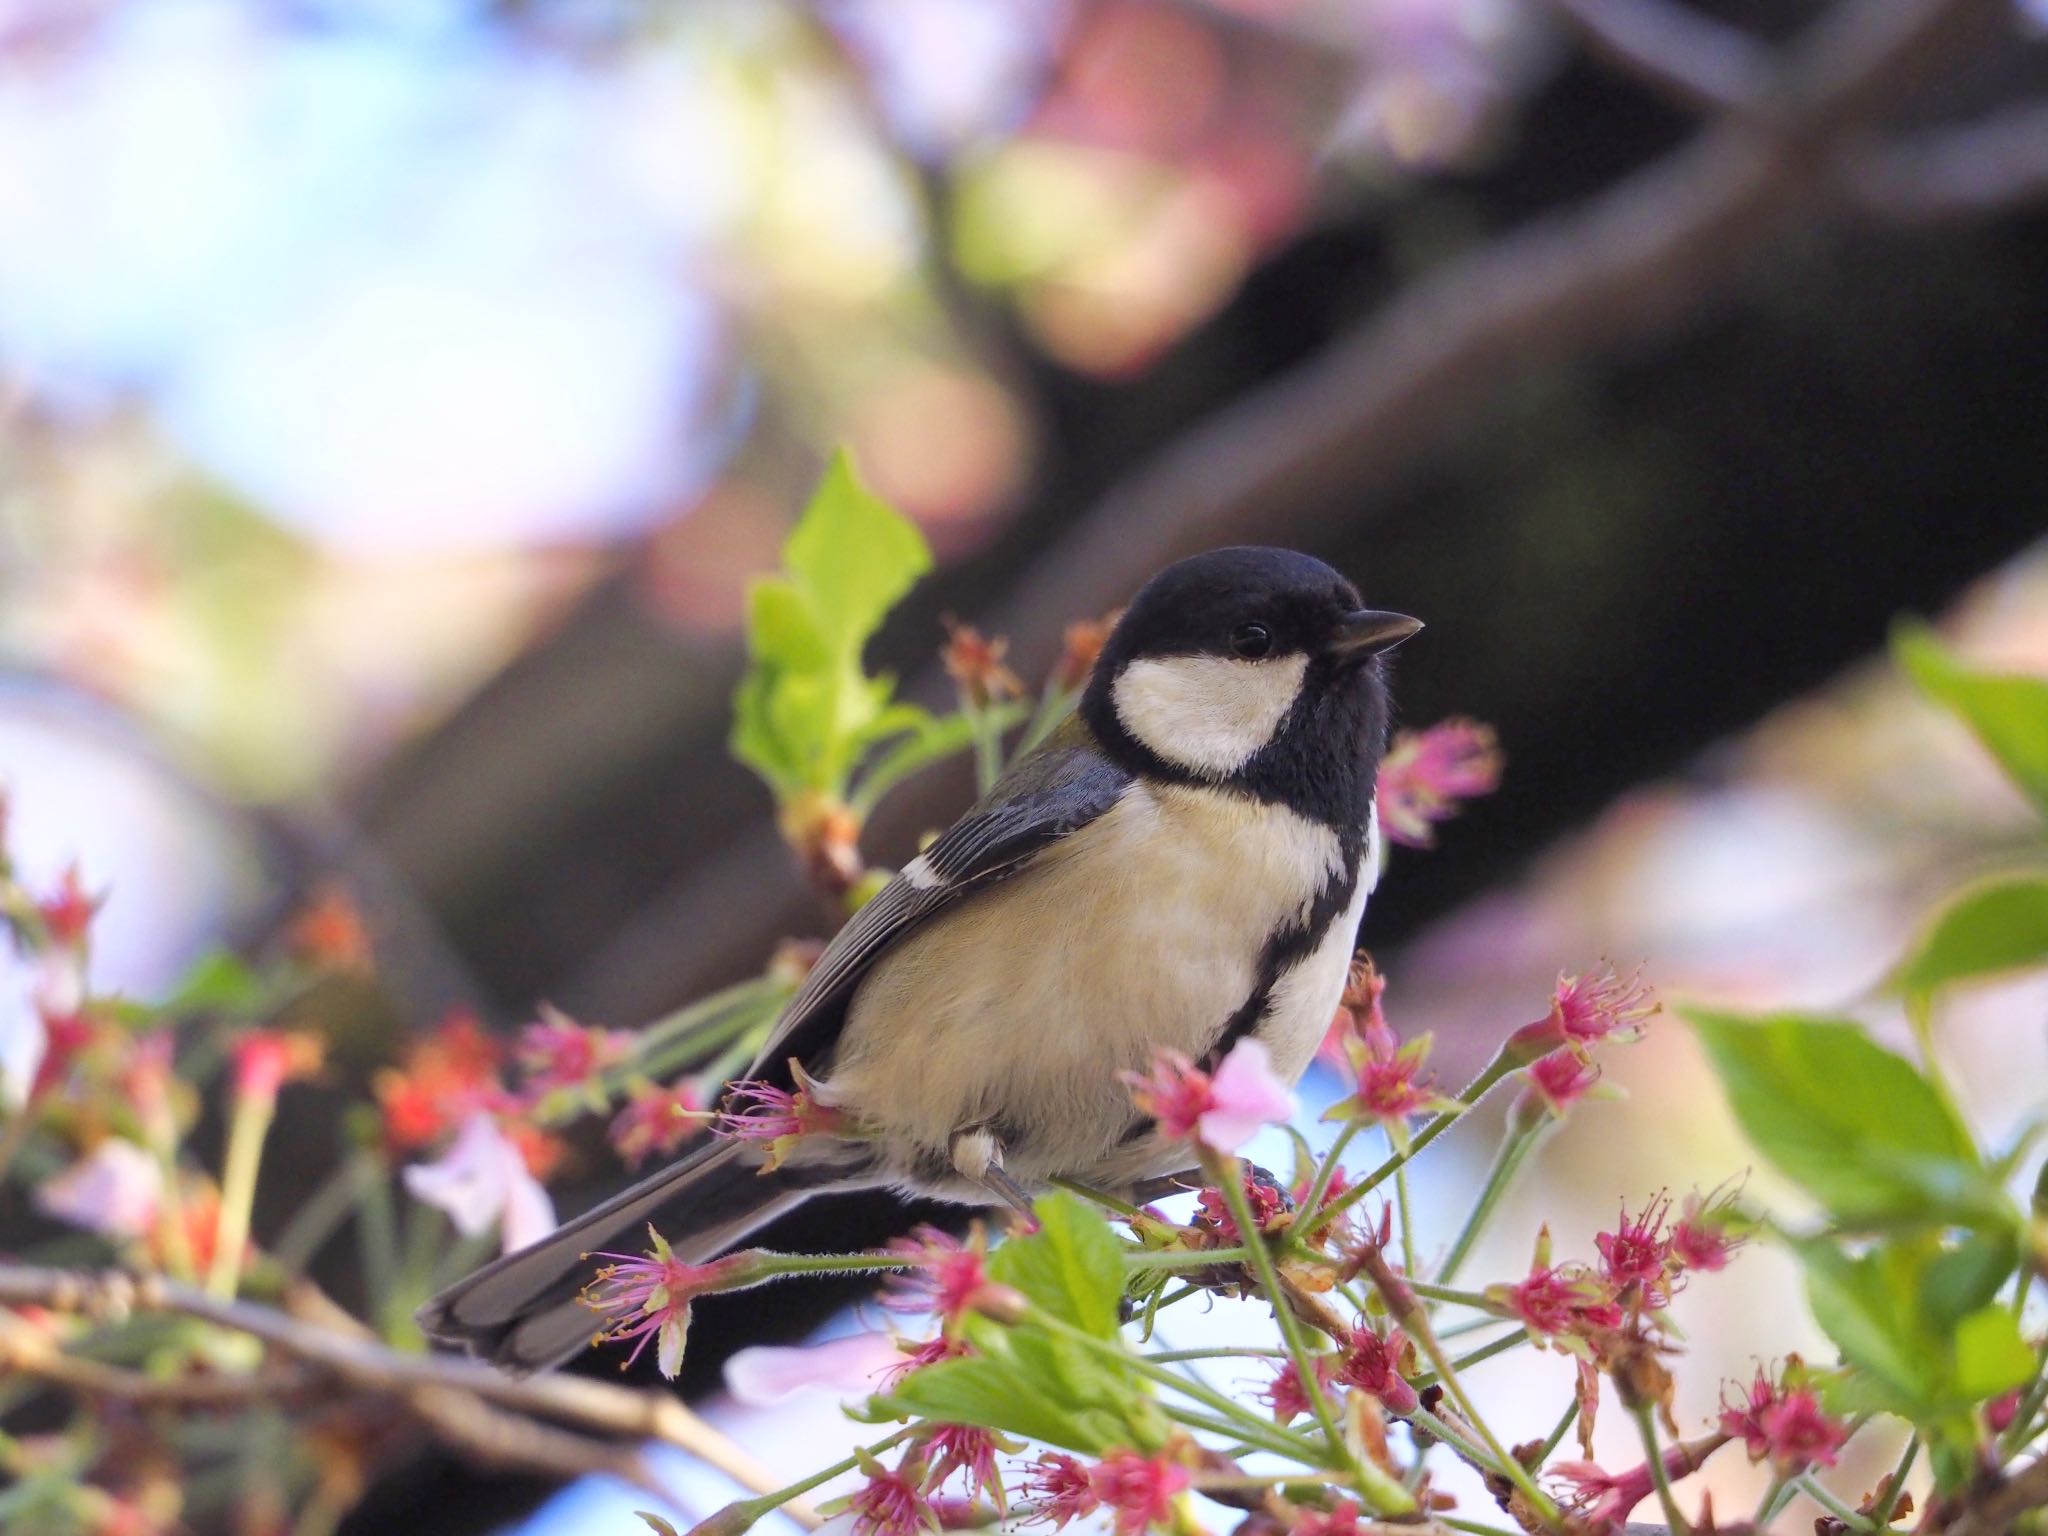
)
(1256, 668)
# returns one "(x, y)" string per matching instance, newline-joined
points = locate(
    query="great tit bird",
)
(1181, 865)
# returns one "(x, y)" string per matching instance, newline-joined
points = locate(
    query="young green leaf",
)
(994, 1392)
(2000, 925)
(2008, 711)
(1072, 1266)
(1858, 1128)
(1991, 1356)
(806, 707)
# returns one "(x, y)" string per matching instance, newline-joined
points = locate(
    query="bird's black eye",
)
(1251, 640)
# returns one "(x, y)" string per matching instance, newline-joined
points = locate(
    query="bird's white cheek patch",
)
(1208, 714)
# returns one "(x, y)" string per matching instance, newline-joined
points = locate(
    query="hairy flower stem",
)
(248, 1125)
(1406, 1208)
(1811, 1486)
(1507, 1162)
(1881, 1517)
(1404, 1307)
(1565, 1421)
(1660, 1475)
(1305, 1215)
(1384, 1493)
(1478, 1301)
(1185, 1258)
(1484, 1353)
(1505, 1061)
(1222, 1170)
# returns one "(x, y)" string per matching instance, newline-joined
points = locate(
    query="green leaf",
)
(854, 556)
(1961, 1279)
(2000, 925)
(1991, 1356)
(1072, 1266)
(1042, 1388)
(1858, 1128)
(2008, 711)
(1866, 1306)
(806, 708)
(217, 982)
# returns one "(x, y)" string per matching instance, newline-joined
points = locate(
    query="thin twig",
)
(596, 1408)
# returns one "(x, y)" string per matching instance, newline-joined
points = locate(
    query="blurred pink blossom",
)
(762, 1375)
(113, 1190)
(481, 1179)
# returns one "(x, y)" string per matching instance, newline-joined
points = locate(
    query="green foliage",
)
(2000, 925)
(2009, 713)
(1858, 1128)
(807, 708)
(1918, 1321)
(1036, 1380)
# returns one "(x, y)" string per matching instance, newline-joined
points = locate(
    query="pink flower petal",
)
(529, 1213)
(764, 1374)
(482, 1179)
(1247, 1096)
(114, 1190)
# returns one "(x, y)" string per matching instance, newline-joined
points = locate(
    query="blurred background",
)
(395, 399)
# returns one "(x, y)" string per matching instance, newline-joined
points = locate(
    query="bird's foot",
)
(977, 1155)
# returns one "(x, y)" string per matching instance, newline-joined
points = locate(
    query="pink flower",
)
(115, 1190)
(1425, 774)
(1704, 1237)
(762, 1375)
(1392, 1086)
(1287, 1395)
(1584, 1010)
(1139, 1489)
(1603, 1498)
(757, 1110)
(950, 1279)
(656, 1120)
(558, 1053)
(1373, 1364)
(68, 912)
(1248, 1096)
(1340, 1519)
(1638, 1253)
(1268, 1207)
(1556, 1083)
(1564, 1300)
(642, 1296)
(264, 1060)
(915, 1357)
(964, 1448)
(1783, 1422)
(483, 1178)
(1358, 1011)
(1223, 1110)
(889, 1504)
(1600, 1497)
(1060, 1489)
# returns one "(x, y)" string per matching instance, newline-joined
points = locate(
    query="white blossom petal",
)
(116, 1190)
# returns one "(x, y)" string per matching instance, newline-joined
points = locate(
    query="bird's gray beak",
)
(1369, 631)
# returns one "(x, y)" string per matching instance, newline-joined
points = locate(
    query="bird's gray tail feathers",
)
(522, 1313)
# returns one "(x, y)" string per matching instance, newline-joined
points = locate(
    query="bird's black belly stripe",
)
(1287, 947)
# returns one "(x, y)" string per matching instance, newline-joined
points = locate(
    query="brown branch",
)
(1621, 268)
(1992, 1513)
(1970, 171)
(430, 1382)
(1696, 61)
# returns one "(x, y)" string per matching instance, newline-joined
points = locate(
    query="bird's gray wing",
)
(1057, 789)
